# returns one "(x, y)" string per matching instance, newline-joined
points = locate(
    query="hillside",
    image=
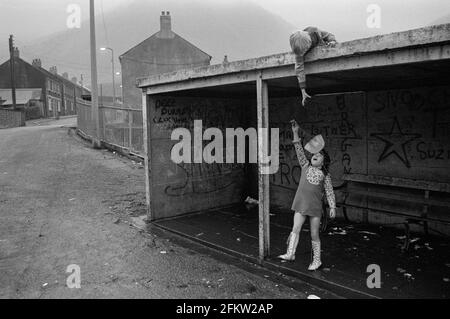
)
(442, 20)
(239, 29)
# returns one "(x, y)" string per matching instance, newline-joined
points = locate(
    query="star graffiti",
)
(395, 143)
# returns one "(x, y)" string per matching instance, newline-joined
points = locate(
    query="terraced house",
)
(59, 95)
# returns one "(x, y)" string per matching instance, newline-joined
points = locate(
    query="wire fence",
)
(120, 126)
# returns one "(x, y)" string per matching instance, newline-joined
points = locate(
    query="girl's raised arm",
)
(300, 153)
(298, 145)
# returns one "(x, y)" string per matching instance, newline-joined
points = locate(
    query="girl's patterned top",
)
(315, 175)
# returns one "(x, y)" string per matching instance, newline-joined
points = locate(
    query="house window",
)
(53, 86)
(70, 105)
(68, 90)
(54, 104)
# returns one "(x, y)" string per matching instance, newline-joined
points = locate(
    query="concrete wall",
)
(401, 133)
(417, 122)
(11, 118)
(186, 188)
(396, 133)
(341, 119)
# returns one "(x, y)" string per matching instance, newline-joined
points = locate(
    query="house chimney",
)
(65, 75)
(37, 63)
(53, 70)
(74, 80)
(16, 52)
(166, 25)
(225, 60)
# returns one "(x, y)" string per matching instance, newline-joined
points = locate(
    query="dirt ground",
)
(63, 203)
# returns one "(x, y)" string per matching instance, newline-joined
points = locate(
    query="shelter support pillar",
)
(262, 92)
(147, 154)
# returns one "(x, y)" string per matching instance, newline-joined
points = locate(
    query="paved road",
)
(63, 203)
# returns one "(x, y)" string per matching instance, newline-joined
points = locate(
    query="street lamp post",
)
(113, 72)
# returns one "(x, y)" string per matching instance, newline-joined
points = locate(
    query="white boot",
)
(292, 246)
(316, 263)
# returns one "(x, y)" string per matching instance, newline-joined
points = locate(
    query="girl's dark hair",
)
(326, 162)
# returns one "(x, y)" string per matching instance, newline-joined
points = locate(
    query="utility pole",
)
(13, 75)
(101, 94)
(96, 116)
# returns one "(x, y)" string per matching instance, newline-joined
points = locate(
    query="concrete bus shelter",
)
(382, 104)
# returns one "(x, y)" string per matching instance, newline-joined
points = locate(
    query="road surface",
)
(63, 203)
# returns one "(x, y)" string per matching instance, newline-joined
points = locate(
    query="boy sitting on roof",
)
(301, 43)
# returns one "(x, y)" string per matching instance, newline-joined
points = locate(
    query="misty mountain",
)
(239, 29)
(442, 20)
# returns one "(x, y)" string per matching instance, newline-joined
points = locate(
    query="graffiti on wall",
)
(338, 118)
(396, 142)
(171, 113)
(189, 179)
(204, 178)
(410, 129)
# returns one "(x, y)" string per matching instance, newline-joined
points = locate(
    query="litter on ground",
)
(408, 276)
(368, 232)
(401, 270)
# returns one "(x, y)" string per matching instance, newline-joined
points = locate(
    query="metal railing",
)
(120, 126)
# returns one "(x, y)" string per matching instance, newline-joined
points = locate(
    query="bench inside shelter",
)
(416, 202)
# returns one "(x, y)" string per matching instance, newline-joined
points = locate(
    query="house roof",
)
(23, 96)
(63, 79)
(156, 38)
(50, 74)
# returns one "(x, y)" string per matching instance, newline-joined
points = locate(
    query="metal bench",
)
(422, 204)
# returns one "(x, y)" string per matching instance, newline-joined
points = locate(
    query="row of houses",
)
(45, 92)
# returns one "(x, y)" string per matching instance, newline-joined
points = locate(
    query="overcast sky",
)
(30, 19)
(396, 15)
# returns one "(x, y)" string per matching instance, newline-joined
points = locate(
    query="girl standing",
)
(308, 199)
